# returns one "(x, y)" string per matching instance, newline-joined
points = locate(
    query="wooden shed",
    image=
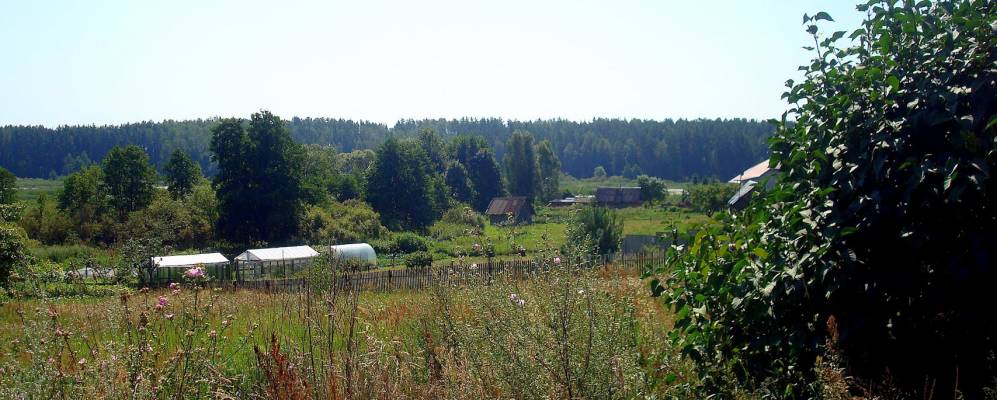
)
(501, 208)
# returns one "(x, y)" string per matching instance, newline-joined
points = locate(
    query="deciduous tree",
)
(182, 174)
(129, 178)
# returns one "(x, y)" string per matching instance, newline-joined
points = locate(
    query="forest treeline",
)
(671, 149)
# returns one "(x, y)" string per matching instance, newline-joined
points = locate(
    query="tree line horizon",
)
(674, 149)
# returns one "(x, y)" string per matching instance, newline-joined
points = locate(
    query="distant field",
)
(588, 185)
(28, 189)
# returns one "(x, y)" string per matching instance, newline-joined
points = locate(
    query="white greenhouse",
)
(171, 268)
(358, 252)
(273, 262)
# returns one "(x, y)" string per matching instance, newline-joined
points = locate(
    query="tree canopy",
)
(182, 173)
(521, 167)
(259, 179)
(8, 186)
(671, 149)
(549, 172)
(400, 186)
(129, 178)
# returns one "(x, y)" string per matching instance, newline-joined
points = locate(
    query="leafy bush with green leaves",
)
(408, 242)
(351, 221)
(419, 259)
(878, 241)
(13, 251)
(711, 197)
(652, 189)
(600, 226)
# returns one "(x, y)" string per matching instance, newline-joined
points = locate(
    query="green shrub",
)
(419, 259)
(711, 197)
(408, 242)
(350, 221)
(464, 215)
(600, 226)
(878, 242)
(38, 289)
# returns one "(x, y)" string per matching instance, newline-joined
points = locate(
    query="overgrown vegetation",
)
(876, 247)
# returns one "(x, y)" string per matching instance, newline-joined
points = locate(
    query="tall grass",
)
(582, 334)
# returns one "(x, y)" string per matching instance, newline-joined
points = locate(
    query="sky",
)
(111, 62)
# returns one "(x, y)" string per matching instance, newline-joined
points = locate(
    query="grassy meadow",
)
(29, 189)
(567, 334)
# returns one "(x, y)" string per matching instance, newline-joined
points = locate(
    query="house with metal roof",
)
(758, 176)
(618, 197)
(519, 208)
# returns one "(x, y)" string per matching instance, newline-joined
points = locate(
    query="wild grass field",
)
(28, 189)
(592, 334)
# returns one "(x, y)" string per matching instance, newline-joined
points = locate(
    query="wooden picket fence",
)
(454, 274)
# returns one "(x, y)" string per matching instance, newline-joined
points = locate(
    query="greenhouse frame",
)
(277, 262)
(171, 268)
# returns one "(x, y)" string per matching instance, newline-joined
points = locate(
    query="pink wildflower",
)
(557, 260)
(196, 272)
(174, 286)
(163, 301)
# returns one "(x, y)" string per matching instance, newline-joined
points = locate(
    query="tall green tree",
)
(8, 186)
(258, 183)
(459, 183)
(85, 199)
(435, 149)
(182, 174)
(482, 169)
(400, 186)
(129, 178)
(550, 171)
(522, 169)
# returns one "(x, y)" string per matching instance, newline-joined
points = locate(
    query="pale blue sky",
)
(100, 62)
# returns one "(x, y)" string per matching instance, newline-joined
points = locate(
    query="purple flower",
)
(174, 286)
(196, 272)
(163, 301)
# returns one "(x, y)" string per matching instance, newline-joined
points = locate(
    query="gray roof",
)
(618, 195)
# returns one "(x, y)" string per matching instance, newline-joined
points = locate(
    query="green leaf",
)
(760, 252)
(894, 82)
(823, 16)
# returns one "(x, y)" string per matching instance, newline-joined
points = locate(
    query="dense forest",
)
(671, 149)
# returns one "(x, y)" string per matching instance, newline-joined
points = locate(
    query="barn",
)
(501, 208)
(618, 197)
